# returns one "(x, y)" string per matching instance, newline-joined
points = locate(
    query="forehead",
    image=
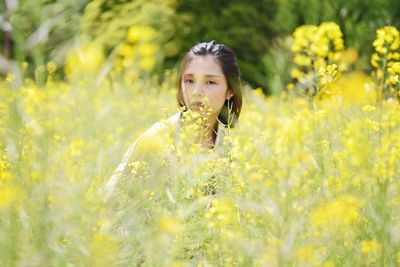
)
(204, 65)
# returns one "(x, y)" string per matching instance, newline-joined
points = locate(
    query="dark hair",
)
(227, 60)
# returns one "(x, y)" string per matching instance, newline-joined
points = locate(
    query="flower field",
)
(308, 180)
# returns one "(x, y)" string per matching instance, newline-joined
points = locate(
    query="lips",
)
(197, 104)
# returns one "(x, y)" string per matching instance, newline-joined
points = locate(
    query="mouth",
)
(197, 104)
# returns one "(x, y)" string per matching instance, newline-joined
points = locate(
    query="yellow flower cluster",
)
(339, 213)
(5, 174)
(10, 191)
(222, 213)
(328, 74)
(295, 186)
(387, 43)
(368, 247)
(82, 60)
(103, 248)
(9, 194)
(139, 52)
(394, 72)
(316, 55)
(372, 250)
(386, 60)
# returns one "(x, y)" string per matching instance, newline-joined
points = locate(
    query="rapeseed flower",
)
(371, 246)
(317, 57)
(141, 33)
(222, 213)
(84, 59)
(9, 195)
(103, 249)
(140, 46)
(340, 212)
(170, 225)
(298, 187)
(385, 60)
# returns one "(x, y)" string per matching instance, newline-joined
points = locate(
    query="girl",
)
(209, 85)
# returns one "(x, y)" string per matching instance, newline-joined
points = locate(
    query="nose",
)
(198, 89)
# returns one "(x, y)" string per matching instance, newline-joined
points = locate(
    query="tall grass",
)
(298, 186)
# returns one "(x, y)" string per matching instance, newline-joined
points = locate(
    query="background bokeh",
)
(309, 176)
(41, 31)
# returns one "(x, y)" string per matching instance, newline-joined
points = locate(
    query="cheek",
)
(217, 99)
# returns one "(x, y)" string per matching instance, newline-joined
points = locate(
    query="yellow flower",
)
(327, 33)
(374, 60)
(321, 114)
(222, 213)
(387, 40)
(303, 37)
(290, 86)
(141, 33)
(147, 63)
(305, 253)
(126, 50)
(340, 212)
(9, 194)
(297, 74)
(170, 225)
(328, 74)
(398, 258)
(51, 68)
(76, 147)
(395, 68)
(24, 65)
(10, 77)
(84, 59)
(371, 246)
(394, 79)
(317, 49)
(302, 60)
(103, 249)
(328, 263)
(147, 49)
(368, 108)
(6, 176)
(348, 56)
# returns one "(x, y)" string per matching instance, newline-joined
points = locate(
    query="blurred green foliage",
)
(256, 30)
(107, 22)
(245, 26)
(38, 30)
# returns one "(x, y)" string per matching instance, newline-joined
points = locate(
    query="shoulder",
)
(172, 121)
(163, 126)
(157, 137)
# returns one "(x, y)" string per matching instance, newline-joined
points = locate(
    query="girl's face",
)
(204, 85)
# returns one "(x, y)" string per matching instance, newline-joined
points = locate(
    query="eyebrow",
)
(206, 75)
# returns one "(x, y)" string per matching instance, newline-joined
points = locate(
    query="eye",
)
(210, 82)
(188, 81)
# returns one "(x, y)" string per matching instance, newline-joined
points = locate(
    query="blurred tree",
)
(245, 26)
(108, 23)
(37, 30)
(5, 30)
(42, 30)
